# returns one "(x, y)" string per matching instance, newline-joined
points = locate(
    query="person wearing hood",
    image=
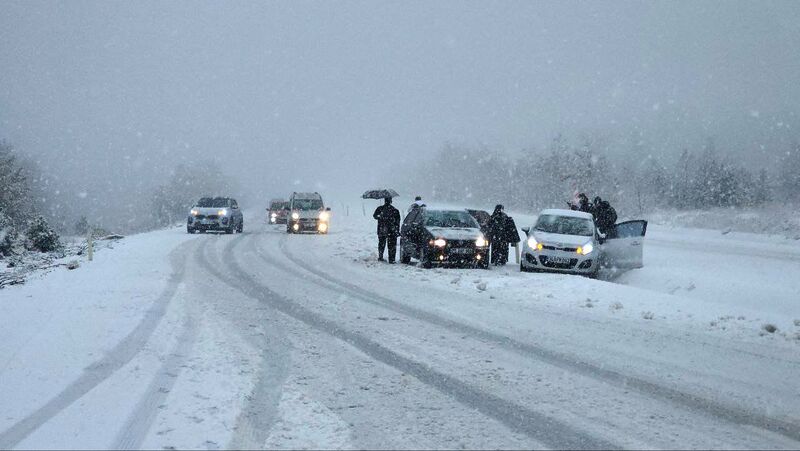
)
(388, 219)
(605, 216)
(582, 205)
(502, 231)
(417, 203)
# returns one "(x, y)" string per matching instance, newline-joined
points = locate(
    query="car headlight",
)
(586, 249)
(222, 212)
(194, 212)
(295, 215)
(481, 242)
(533, 244)
(324, 216)
(439, 242)
(273, 215)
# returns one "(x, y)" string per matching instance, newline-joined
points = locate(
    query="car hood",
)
(452, 233)
(559, 240)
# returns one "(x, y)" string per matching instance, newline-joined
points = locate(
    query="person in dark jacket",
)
(502, 231)
(583, 204)
(604, 216)
(388, 228)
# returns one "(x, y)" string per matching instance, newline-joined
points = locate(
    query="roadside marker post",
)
(89, 246)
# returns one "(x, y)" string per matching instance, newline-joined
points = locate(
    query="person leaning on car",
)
(388, 228)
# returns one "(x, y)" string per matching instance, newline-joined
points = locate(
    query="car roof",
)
(565, 212)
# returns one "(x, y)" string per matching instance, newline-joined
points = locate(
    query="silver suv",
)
(220, 214)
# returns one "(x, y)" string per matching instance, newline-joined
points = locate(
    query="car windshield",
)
(279, 205)
(307, 204)
(438, 218)
(218, 202)
(565, 225)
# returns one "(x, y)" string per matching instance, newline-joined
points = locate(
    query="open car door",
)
(624, 247)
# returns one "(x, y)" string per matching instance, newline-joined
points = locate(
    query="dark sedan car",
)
(442, 237)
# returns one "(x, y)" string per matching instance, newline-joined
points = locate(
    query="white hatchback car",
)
(568, 241)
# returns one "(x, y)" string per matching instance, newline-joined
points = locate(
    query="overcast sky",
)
(332, 93)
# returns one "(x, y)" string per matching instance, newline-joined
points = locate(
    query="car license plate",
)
(559, 260)
(461, 250)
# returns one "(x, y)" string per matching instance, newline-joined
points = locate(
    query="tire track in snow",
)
(539, 427)
(99, 371)
(135, 429)
(692, 402)
(260, 413)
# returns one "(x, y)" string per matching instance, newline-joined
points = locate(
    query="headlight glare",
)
(481, 242)
(439, 242)
(222, 212)
(586, 249)
(195, 212)
(324, 216)
(295, 215)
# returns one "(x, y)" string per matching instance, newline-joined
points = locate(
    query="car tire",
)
(483, 264)
(190, 230)
(229, 230)
(240, 229)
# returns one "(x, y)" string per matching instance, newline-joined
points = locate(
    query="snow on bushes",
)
(41, 237)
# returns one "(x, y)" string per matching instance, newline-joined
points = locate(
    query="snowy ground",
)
(269, 340)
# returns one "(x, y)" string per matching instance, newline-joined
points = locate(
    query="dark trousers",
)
(499, 253)
(391, 241)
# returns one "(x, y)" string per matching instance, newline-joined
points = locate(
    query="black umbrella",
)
(379, 194)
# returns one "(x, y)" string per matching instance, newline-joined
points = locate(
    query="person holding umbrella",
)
(388, 218)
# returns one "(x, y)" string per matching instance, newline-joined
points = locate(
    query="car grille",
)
(554, 248)
(549, 264)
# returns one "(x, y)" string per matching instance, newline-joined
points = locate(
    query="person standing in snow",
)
(388, 219)
(417, 203)
(604, 216)
(499, 236)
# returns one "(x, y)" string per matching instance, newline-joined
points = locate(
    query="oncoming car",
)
(442, 237)
(217, 214)
(307, 213)
(568, 241)
(278, 211)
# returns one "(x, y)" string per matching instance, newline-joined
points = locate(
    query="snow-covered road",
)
(298, 341)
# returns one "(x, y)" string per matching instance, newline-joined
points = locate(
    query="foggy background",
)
(108, 98)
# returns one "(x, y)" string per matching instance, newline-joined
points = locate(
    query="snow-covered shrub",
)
(8, 236)
(42, 238)
(771, 328)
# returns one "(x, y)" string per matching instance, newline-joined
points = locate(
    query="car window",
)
(438, 218)
(307, 204)
(219, 202)
(565, 225)
(205, 202)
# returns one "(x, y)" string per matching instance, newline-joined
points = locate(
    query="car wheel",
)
(483, 264)
(202, 231)
(240, 229)
(189, 230)
(229, 230)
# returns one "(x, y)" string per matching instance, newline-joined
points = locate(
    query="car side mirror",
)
(527, 230)
(328, 209)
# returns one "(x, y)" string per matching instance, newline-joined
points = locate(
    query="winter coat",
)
(499, 230)
(583, 206)
(388, 220)
(511, 235)
(605, 216)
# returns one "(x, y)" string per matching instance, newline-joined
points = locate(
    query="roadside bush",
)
(41, 237)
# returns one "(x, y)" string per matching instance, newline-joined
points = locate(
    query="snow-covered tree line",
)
(22, 227)
(540, 178)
